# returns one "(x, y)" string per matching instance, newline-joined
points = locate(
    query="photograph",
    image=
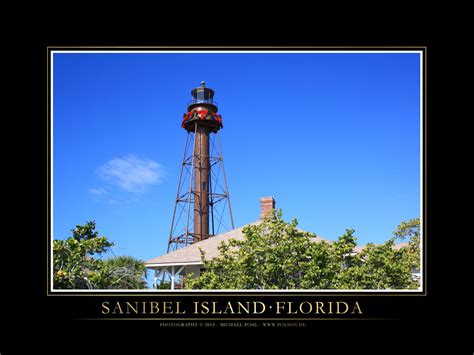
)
(240, 170)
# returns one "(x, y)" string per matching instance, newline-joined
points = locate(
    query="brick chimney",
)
(266, 205)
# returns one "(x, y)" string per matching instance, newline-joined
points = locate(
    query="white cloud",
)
(97, 192)
(132, 173)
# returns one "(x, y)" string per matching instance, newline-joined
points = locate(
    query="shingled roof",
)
(192, 255)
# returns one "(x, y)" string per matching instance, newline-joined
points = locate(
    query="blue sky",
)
(335, 138)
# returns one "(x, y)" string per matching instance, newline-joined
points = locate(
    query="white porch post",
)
(172, 277)
(160, 274)
(155, 280)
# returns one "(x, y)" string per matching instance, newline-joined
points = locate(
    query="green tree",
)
(275, 254)
(411, 230)
(74, 262)
(379, 267)
(77, 263)
(125, 272)
(166, 285)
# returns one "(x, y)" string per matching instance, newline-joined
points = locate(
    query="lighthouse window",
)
(200, 95)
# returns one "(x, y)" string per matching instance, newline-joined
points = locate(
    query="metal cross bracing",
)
(208, 200)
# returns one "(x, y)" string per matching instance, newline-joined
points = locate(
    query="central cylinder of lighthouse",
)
(201, 182)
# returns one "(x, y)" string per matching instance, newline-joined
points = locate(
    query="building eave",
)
(160, 265)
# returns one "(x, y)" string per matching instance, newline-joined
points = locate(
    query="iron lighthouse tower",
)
(202, 207)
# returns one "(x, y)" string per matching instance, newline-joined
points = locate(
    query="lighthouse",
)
(202, 206)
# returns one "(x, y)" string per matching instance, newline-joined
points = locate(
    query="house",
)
(181, 262)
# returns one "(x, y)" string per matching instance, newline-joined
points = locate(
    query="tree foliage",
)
(77, 263)
(411, 230)
(125, 272)
(275, 254)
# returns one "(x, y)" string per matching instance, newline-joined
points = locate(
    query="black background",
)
(26, 308)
